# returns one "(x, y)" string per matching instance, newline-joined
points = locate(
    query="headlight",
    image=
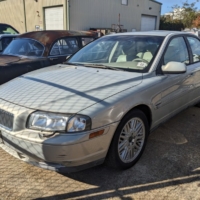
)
(58, 122)
(48, 121)
(79, 123)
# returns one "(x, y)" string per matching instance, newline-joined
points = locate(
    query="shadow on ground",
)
(171, 159)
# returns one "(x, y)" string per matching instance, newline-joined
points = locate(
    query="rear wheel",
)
(129, 141)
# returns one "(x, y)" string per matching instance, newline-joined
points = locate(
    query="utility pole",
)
(24, 6)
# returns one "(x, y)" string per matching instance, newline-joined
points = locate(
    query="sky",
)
(167, 4)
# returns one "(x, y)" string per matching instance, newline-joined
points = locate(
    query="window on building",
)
(125, 2)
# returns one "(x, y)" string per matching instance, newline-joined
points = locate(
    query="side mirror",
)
(174, 68)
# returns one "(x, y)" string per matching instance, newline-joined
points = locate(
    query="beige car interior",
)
(147, 54)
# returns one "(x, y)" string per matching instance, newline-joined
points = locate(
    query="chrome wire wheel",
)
(131, 140)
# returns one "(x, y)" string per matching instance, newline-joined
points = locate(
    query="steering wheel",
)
(141, 60)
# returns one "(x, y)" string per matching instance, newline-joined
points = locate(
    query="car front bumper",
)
(60, 152)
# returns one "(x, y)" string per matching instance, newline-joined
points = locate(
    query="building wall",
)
(104, 13)
(12, 12)
(83, 14)
(34, 18)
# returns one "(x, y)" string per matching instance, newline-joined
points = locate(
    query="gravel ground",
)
(168, 169)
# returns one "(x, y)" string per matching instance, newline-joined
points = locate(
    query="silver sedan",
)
(102, 104)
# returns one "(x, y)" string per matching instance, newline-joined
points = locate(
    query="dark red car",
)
(35, 50)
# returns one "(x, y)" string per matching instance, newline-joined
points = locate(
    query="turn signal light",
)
(96, 134)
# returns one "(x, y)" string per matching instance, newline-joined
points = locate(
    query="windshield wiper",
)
(75, 64)
(103, 67)
(95, 66)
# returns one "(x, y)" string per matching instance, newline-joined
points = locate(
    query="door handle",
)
(158, 104)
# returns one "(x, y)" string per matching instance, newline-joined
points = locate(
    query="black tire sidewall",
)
(135, 113)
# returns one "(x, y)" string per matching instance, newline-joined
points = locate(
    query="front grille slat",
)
(6, 119)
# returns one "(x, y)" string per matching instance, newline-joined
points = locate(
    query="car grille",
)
(6, 119)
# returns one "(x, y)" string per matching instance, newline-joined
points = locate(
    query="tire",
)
(120, 155)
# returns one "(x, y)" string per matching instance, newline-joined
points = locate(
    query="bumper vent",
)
(6, 119)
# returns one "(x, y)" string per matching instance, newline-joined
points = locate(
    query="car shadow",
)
(171, 158)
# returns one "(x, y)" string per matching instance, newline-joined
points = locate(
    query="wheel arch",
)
(145, 109)
(147, 112)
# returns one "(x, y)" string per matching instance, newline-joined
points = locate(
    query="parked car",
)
(193, 31)
(7, 33)
(35, 50)
(101, 105)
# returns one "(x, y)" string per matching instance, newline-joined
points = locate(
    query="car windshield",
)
(125, 52)
(6, 29)
(24, 47)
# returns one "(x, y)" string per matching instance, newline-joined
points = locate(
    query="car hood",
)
(67, 89)
(7, 59)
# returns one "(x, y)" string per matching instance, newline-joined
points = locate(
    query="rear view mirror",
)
(174, 68)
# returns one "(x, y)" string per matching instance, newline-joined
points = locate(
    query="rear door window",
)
(86, 40)
(195, 47)
(64, 46)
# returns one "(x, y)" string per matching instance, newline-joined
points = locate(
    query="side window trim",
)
(158, 69)
(189, 50)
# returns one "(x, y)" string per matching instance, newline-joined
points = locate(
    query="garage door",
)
(148, 23)
(54, 18)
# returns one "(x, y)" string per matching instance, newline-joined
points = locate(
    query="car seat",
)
(129, 53)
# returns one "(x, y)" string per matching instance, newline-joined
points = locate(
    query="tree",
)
(196, 22)
(167, 23)
(187, 13)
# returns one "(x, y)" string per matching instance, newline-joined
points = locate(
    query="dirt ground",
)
(168, 169)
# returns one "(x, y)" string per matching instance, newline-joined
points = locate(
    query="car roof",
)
(152, 33)
(8, 35)
(47, 38)
(6, 24)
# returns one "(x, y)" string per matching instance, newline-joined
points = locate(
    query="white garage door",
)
(148, 23)
(54, 18)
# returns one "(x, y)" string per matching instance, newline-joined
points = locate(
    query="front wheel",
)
(129, 141)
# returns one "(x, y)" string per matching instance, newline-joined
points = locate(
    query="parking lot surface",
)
(168, 169)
